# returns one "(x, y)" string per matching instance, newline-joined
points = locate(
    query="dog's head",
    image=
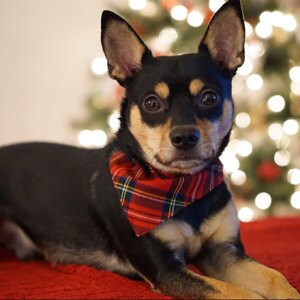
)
(178, 108)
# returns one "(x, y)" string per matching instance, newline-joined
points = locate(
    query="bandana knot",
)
(149, 200)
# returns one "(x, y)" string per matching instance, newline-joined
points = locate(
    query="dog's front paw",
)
(281, 289)
(229, 291)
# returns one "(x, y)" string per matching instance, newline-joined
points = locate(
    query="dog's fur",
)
(59, 202)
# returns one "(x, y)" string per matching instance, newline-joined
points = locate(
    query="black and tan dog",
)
(63, 203)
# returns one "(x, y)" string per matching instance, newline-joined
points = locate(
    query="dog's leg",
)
(223, 257)
(16, 239)
(184, 283)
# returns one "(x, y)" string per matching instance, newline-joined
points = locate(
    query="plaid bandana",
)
(151, 200)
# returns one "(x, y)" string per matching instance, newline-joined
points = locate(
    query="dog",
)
(154, 199)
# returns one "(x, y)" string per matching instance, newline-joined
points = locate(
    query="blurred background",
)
(54, 84)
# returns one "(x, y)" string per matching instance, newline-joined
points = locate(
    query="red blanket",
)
(274, 242)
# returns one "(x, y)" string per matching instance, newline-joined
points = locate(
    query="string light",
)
(99, 65)
(255, 49)
(276, 103)
(263, 30)
(255, 82)
(244, 148)
(282, 158)
(248, 29)
(263, 200)
(150, 10)
(214, 5)
(295, 200)
(291, 127)
(293, 176)
(92, 138)
(242, 120)
(229, 161)
(295, 87)
(238, 177)
(289, 23)
(195, 18)
(246, 214)
(179, 12)
(265, 16)
(246, 68)
(275, 131)
(168, 35)
(295, 74)
(137, 4)
(277, 19)
(114, 121)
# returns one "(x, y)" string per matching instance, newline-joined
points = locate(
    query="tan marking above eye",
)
(162, 90)
(196, 86)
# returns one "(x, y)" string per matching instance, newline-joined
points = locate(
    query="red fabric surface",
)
(274, 242)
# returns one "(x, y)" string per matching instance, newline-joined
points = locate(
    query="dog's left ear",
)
(225, 37)
(123, 48)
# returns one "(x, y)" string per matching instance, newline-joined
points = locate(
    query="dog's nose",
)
(184, 138)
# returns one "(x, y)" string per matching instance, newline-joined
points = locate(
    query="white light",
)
(150, 10)
(289, 23)
(277, 18)
(255, 49)
(263, 30)
(92, 138)
(195, 19)
(229, 161)
(114, 122)
(295, 200)
(244, 148)
(295, 87)
(246, 214)
(293, 176)
(238, 177)
(291, 127)
(137, 4)
(276, 103)
(246, 68)
(168, 35)
(282, 158)
(248, 29)
(214, 5)
(295, 74)
(242, 120)
(275, 131)
(263, 200)
(255, 82)
(85, 138)
(99, 65)
(99, 138)
(179, 12)
(265, 17)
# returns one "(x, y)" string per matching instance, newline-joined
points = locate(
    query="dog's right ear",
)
(123, 48)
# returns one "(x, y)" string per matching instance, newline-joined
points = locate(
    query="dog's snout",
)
(184, 138)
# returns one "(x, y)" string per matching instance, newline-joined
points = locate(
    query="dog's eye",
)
(152, 103)
(209, 99)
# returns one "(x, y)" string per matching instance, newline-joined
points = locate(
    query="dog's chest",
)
(181, 236)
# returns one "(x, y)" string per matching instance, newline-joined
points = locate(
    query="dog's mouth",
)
(184, 163)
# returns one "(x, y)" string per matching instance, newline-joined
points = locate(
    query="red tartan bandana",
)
(151, 200)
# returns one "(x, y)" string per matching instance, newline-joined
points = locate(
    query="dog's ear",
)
(123, 48)
(225, 36)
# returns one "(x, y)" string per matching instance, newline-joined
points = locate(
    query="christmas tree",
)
(262, 160)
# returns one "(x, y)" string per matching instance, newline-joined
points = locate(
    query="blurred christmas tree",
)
(262, 161)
